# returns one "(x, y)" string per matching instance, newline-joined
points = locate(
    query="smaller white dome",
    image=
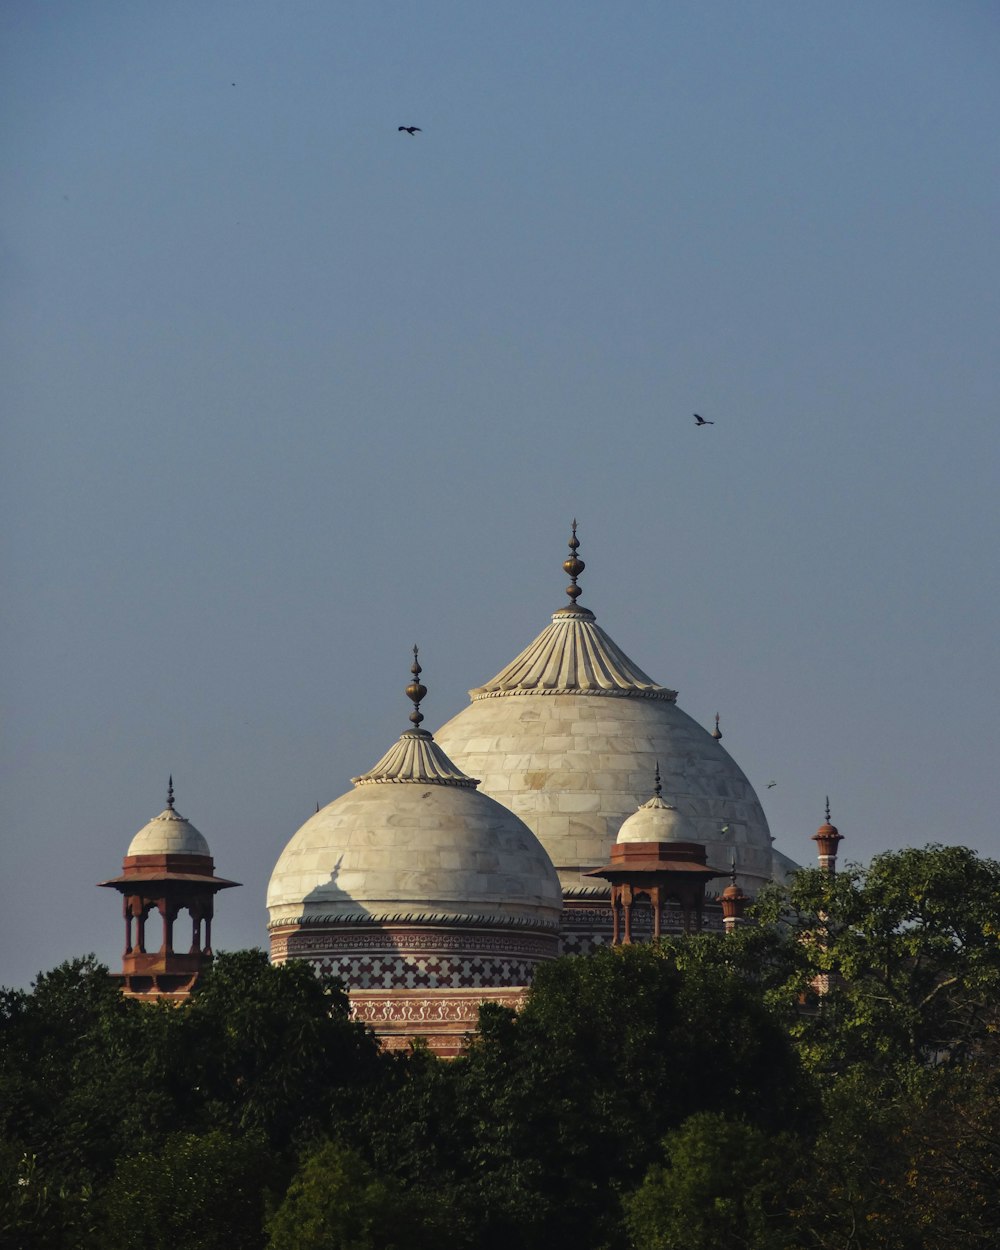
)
(656, 821)
(415, 841)
(168, 834)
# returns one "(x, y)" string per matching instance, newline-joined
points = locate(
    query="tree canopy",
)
(826, 1077)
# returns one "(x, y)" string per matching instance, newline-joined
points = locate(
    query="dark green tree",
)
(202, 1192)
(721, 1183)
(907, 952)
(89, 1078)
(556, 1111)
(336, 1201)
(270, 1047)
(71, 1065)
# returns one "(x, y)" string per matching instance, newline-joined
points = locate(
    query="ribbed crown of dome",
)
(656, 821)
(573, 655)
(168, 834)
(416, 757)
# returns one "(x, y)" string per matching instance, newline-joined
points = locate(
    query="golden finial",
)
(657, 787)
(573, 567)
(170, 793)
(717, 732)
(415, 691)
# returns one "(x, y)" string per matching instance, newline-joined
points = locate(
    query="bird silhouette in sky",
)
(701, 420)
(411, 130)
(771, 785)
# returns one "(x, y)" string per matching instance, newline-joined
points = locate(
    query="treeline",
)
(826, 1078)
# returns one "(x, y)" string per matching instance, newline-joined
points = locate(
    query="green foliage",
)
(67, 1067)
(909, 949)
(38, 1212)
(270, 1047)
(89, 1079)
(417, 1124)
(201, 1192)
(722, 1183)
(854, 1192)
(561, 1107)
(337, 1202)
(701, 1092)
(953, 1174)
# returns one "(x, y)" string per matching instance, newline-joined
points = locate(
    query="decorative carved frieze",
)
(412, 959)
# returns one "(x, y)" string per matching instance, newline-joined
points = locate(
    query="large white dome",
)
(568, 736)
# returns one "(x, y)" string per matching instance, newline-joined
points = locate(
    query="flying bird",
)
(411, 130)
(771, 785)
(701, 420)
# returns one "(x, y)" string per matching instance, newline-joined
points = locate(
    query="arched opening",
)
(149, 935)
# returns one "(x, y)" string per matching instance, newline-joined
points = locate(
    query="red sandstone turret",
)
(734, 902)
(827, 839)
(167, 869)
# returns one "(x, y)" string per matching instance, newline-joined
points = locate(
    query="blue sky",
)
(287, 390)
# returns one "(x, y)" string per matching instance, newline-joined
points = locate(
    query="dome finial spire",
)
(827, 809)
(717, 732)
(657, 787)
(170, 793)
(415, 691)
(573, 567)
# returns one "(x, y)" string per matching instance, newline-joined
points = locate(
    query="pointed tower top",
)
(415, 691)
(416, 756)
(734, 901)
(573, 567)
(657, 787)
(717, 732)
(573, 656)
(827, 838)
(170, 793)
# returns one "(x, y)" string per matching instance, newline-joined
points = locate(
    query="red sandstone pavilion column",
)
(167, 869)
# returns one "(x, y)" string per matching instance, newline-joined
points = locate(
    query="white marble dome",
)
(168, 834)
(656, 821)
(415, 841)
(568, 736)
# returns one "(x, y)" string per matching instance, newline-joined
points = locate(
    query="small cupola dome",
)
(656, 821)
(168, 834)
